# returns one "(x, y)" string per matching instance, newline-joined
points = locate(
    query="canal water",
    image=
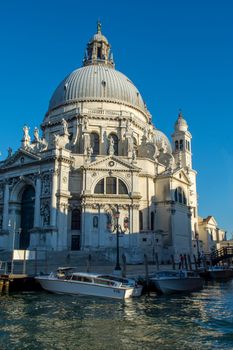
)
(201, 320)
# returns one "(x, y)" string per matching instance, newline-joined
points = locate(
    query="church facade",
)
(100, 162)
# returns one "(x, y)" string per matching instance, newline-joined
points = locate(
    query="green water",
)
(202, 320)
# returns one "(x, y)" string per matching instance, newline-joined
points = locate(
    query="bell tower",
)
(182, 143)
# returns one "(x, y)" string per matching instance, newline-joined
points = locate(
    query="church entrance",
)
(27, 216)
(75, 242)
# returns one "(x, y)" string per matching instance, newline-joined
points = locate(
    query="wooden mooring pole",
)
(189, 262)
(146, 273)
(124, 265)
(89, 263)
(173, 262)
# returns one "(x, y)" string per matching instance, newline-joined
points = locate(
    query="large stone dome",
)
(97, 80)
(96, 83)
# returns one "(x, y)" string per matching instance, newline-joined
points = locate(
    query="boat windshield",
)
(79, 278)
(105, 282)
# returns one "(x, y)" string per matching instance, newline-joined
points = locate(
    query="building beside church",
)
(98, 153)
(210, 234)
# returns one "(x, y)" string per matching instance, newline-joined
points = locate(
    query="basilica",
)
(98, 165)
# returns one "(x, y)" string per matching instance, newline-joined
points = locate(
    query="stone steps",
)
(48, 261)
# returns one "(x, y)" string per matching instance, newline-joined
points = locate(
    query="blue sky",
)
(178, 53)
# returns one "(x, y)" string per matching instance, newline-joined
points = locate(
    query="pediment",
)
(112, 163)
(180, 175)
(211, 221)
(20, 158)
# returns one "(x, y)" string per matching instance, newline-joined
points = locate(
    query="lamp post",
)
(13, 244)
(116, 227)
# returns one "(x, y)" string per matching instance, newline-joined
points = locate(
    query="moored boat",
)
(217, 272)
(172, 281)
(65, 281)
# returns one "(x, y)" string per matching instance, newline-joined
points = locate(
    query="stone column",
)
(134, 225)
(62, 226)
(6, 207)
(37, 202)
(53, 219)
(83, 224)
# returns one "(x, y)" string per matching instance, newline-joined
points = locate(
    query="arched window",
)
(99, 188)
(110, 185)
(180, 196)
(180, 199)
(115, 143)
(95, 143)
(181, 145)
(122, 189)
(76, 219)
(152, 221)
(176, 145)
(176, 195)
(140, 220)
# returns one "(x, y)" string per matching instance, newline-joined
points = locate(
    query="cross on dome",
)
(99, 25)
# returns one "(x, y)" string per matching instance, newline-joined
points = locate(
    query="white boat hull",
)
(182, 285)
(61, 286)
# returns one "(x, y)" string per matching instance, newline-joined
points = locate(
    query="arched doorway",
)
(27, 216)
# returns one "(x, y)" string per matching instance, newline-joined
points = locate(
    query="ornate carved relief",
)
(46, 184)
(45, 212)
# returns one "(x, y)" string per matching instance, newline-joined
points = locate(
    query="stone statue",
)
(65, 126)
(145, 132)
(86, 143)
(26, 138)
(10, 151)
(130, 144)
(36, 134)
(111, 146)
(56, 140)
(89, 152)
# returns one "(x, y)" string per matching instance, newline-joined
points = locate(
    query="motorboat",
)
(66, 281)
(176, 281)
(217, 272)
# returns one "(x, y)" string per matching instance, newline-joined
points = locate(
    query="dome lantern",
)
(98, 50)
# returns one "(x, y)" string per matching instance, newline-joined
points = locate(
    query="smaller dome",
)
(161, 140)
(181, 124)
(99, 37)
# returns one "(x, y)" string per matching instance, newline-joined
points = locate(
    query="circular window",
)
(111, 163)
